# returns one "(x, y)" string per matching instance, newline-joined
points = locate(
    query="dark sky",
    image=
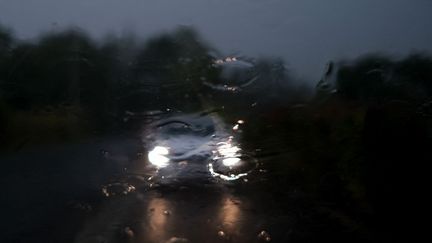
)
(307, 33)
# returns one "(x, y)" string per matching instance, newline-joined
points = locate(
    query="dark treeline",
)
(361, 144)
(66, 76)
(69, 68)
(377, 78)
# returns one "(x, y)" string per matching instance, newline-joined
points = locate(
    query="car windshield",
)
(214, 120)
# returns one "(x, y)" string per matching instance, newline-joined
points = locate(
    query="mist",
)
(305, 33)
(214, 120)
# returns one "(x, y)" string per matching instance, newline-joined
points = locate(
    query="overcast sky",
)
(307, 33)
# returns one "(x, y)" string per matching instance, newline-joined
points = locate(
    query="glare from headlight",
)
(157, 156)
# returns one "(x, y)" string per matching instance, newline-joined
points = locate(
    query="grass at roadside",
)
(50, 125)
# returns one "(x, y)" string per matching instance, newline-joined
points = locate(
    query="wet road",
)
(175, 194)
(180, 177)
(183, 178)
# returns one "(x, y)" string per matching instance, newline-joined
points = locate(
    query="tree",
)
(366, 79)
(168, 67)
(6, 41)
(377, 77)
(414, 75)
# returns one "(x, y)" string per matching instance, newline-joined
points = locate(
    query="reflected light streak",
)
(157, 221)
(157, 156)
(229, 214)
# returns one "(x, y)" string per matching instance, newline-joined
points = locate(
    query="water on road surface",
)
(181, 178)
(184, 189)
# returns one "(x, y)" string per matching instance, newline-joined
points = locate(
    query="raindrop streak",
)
(264, 235)
(128, 232)
(80, 206)
(177, 240)
(104, 153)
(221, 233)
(117, 188)
(236, 74)
(229, 163)
(231, 177)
